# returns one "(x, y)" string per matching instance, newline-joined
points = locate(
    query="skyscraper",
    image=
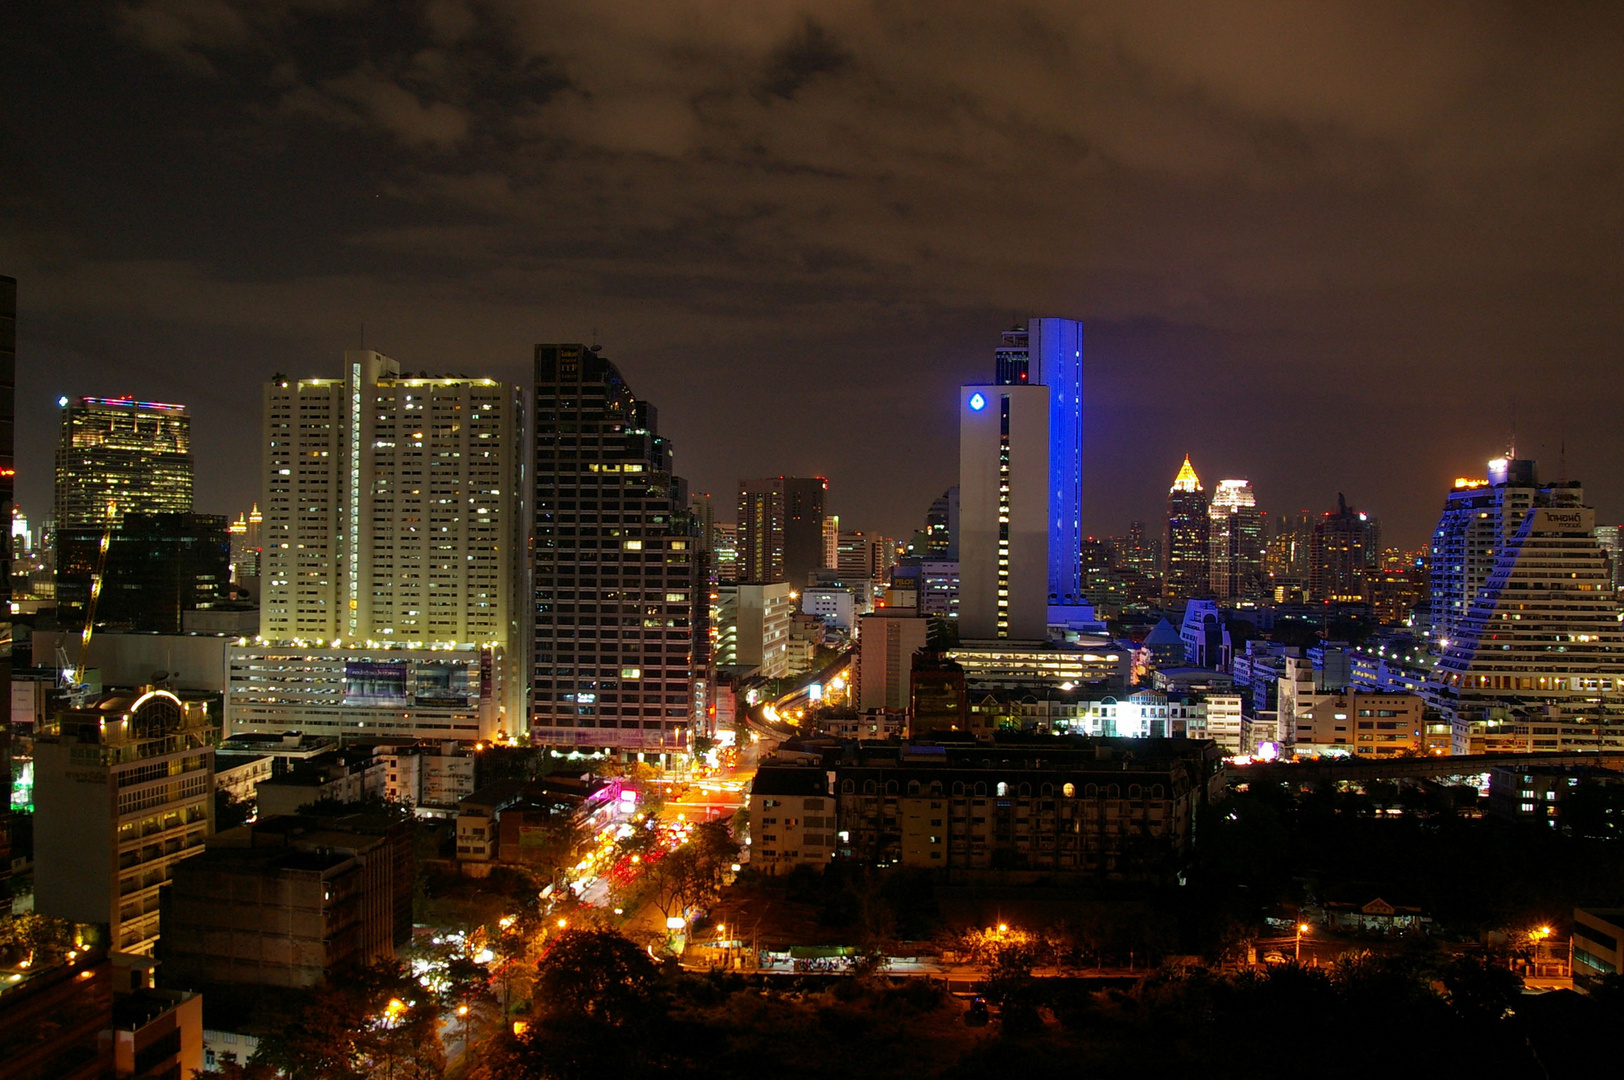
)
(1536, 662)
(781, 529)
(392, 558)
(616, 603)
(1344, 550)
(1235, 541)
(1188, 571)
(245, 545)
(115, 455)
(1049, 352)
(1611, 539)
(1004, 510)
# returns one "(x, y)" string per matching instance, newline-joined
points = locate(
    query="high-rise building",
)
(617, 592)
(115, 455)
(153, 567)
(702, 508)
(8, 473)
(942, 526)
(1004, 511)
(1537, 661)
(1343, 553)
(1235, 541)
(124, 790)
(1049, 352)
(1480, 516)
(392, 558)
(781, 529)
(725, 547)
(1187, 572)
(861, 556)
(245, 545)
(1611, 539)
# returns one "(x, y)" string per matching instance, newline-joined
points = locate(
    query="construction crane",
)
(73, 675)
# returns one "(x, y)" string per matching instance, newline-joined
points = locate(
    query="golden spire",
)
(1186, 480)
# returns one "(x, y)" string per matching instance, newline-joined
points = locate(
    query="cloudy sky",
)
(1330, 247)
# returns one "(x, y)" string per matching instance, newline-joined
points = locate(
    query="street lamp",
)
(1302, 928)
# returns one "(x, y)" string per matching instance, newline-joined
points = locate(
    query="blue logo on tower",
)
(977, 402)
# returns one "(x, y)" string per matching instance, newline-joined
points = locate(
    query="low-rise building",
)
(351, 775)
(288, 900)
(1535, 793)
(1361, 724)
(1020, 810)
(1598, 943)
(157, 1033)
(792, 818)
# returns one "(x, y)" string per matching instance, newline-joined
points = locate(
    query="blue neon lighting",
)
(977, 402)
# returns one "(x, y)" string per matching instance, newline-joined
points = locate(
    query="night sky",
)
(1330, 247)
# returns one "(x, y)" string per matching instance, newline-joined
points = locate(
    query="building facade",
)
(1537, 663)
(1049, 352)
(115, 455)
(1187, 572)
(780, 530)
(1004, 511)
(1235, 541)
(124, 791)
(393, 519)
(1343, 554)
(617, 589)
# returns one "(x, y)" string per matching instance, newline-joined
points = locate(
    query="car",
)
(1274, 958)
(977, 1014)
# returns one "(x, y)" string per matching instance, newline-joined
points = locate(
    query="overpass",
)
(1294, 772)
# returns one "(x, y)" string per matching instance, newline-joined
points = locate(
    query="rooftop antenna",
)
(1562, 463)
(363, 335)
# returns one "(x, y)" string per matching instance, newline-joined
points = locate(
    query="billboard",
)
(375, 682)
(442, 683)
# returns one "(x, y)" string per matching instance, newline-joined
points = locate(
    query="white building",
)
(393, 517)
(753, 624)
(885, 648)
(373, 690)
(1537, 663)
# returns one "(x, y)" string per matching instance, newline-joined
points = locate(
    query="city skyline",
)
(1294, 285)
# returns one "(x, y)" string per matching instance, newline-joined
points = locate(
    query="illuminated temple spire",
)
(1186, 480)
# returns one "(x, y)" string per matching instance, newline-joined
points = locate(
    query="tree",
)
(230, 811)
(597, 974)
(1480, 989)
(31, 938)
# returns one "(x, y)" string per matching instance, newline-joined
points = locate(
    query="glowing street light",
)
(1302, 928)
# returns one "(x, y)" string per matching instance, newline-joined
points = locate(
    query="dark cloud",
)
(1330, 247)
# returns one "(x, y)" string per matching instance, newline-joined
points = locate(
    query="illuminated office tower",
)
(1049, 352)
(115, 455)
(392, 558)
(1187, 572)
(781, 526)
(1235, 541)
(618, 589)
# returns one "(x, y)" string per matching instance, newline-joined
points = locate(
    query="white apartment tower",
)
(1537, 662)
(393, 526)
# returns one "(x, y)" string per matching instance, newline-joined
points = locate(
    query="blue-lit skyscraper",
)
(1049, 352)
(1020, 484)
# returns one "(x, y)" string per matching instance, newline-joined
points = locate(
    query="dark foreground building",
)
(287, 901)
(1058, 808)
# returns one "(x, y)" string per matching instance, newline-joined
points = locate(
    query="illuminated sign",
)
(977, 402)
